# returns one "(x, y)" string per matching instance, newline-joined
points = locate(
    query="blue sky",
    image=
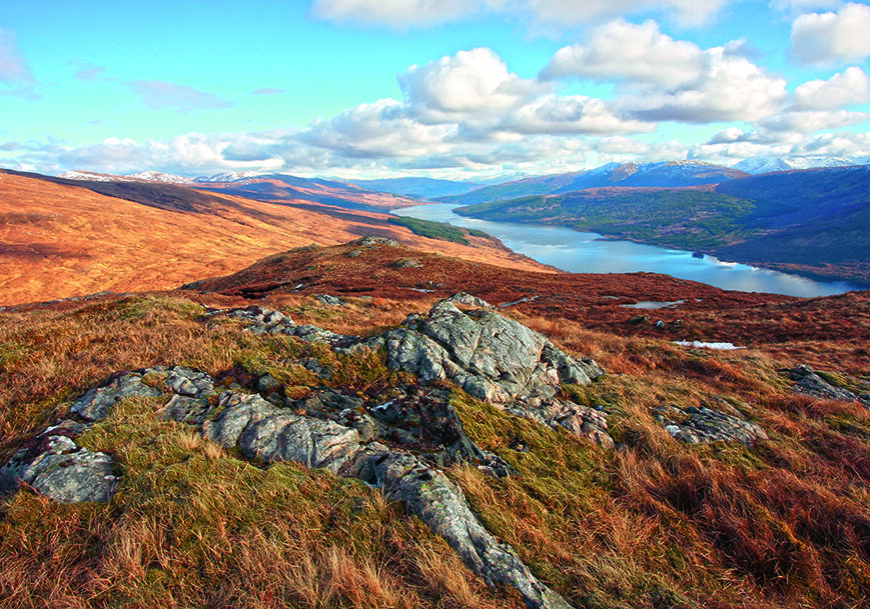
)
(453, 88)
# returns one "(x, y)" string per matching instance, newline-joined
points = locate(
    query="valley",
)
(810, 222)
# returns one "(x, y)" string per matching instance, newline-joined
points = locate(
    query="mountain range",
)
(811, 221)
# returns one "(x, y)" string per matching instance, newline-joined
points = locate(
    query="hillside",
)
(62, 238)
(278, 188)
(812, 222)
(254, 443)
(273, 187)
(670, 174)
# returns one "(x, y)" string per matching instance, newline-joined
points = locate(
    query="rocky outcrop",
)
(397, 439)
(704, 425)
(440, 504)
(95, 404)
(810, 383)
(490, 356)
(55, 466)
(581, 421)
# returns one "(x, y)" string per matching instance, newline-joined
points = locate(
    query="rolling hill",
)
(671, 174)
(62, 238)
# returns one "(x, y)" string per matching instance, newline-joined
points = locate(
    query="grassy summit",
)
(652, 523)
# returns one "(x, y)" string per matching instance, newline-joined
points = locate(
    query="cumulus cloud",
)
(403, 14)
(636, 53)
(729, 88)
(847, 88)
(575, 114)
(463, 85)
(811, 122)
(157, 94)
(381, 129)
(822, 38)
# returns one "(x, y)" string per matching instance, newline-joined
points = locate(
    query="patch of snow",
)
(702, 345)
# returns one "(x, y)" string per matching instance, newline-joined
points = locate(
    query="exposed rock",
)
(258, 320)
(810, 383)
(440, 504)
(95, 404)
(55, 466)
(408, 263)
(185, 381)
(236, 412)
(332, 301)
(581, 421)
(705, 425)
(491, 356)
(303, 439)
(314, 334)
(372, 241)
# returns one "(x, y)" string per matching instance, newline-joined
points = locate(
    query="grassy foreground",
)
(652, 524)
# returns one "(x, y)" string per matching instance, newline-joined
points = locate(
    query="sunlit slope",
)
(59, 240)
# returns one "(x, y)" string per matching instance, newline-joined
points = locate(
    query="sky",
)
(456, 89)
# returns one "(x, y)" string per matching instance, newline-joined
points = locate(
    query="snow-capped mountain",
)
(760, 165)
(142, 176)
(158, 176)
(227, 176)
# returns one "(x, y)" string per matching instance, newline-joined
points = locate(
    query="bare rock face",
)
(490, 356)
(581, 421)
(440, 504)
(705, 425)
(95, 404)
(55, 466)
(810, 383)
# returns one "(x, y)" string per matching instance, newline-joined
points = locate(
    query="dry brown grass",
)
(653, 524)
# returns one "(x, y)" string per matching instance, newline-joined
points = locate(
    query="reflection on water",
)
(591, 253)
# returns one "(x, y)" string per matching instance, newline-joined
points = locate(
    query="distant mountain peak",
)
(758, 165)
(142, 176)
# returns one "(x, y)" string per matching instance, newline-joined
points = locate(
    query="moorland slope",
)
(215, 442)
(68, 237)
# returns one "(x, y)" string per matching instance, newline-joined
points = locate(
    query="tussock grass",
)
(653, 524)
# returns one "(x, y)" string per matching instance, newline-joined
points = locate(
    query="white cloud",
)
(403, 14)
(397, 13)
(381, 129)
(636, 53)
(811, 122)
(845, 144)
(794, 8)
(729, 88)
(12, 67)
(463, 85)
(847, 88)
(16, 78)
(157, 94)
(822, 38)
(575, 114)
(573, 11)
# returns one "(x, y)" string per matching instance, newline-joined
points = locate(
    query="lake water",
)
(578, 252)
